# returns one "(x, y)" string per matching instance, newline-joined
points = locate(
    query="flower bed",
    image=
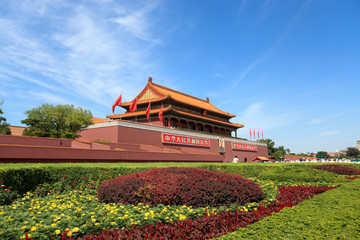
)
(180, 186)
(78, 213)
(212, 225)
(339, 169)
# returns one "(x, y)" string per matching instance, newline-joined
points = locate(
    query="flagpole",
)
(120, 107)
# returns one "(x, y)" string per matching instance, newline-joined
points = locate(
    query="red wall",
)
(39, 141)
(132, 135)
(18, 154)
(128, 144)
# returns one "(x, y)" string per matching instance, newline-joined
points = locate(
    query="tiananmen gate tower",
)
(179, 111)
(180, 128)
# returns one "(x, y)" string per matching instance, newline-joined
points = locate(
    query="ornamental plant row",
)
(210, 225)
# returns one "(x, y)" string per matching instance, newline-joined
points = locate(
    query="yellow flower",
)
(57, 232)
(113, 223)
(23, 227)
(76, 229)
(33, 229)
(69, 234)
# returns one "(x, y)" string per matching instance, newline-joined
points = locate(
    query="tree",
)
(61, 121)
(270, 143)
(278, 152)
(4, 126)
(322, 153)
(353, 152)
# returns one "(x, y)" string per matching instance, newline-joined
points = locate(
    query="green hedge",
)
(26, 177)
(331, 215)
(300, 173)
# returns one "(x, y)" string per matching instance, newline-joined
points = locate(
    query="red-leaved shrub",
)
(180, 186)
(339, 169)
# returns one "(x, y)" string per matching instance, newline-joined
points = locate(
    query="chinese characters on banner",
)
(184, 140)
(240, 146)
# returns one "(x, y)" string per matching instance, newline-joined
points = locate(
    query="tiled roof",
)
(98, 120)
(209, 119)
(261, 159)
(137, 113)
(17, 130)
(160, 93)
(165, 109)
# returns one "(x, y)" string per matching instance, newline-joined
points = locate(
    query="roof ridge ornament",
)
(150, 79)
(207, 99)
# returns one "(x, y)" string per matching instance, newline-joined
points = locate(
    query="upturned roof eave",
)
(170, 108)
(128, 104)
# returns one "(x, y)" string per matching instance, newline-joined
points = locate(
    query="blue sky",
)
(290, 68)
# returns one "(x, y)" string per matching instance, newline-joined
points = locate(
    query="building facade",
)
(189, 125)
(179, 110)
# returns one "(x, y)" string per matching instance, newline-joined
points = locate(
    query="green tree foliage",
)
(4, 126)
(322, 153)
(278, 152)
(353, 152)
(61, 121)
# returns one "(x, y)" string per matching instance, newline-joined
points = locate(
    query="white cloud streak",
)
(331, 117)
(268, 52)
(256, 116)
(329, 133)
(81, 51)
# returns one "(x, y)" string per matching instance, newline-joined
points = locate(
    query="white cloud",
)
(137, 22)
(80, 51)
(334, 116)
(257, 116)
(282, 36)
(329, 133)
(49, 98)
(242, 7)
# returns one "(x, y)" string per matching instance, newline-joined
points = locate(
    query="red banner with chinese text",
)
(245, 147)
(185, 140)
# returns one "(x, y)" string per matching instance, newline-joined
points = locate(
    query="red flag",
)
(262, 134)
(258, 134)
(161, 114)
(117, 103)
(250, 132)
(254, 134)
(133, 106)
(148, 112)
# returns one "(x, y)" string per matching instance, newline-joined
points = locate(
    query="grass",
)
(332, 215)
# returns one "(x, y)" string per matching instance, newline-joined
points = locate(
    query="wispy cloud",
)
(256, 115)
(334, 116)
(242, 7)
(279, 40)
(225, 102)
(49, 98)
(137, 22)
(219, 75)
(82, 51)
(329, 133)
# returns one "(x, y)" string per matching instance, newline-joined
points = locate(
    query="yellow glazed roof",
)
(165, 109)
(154, 92)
